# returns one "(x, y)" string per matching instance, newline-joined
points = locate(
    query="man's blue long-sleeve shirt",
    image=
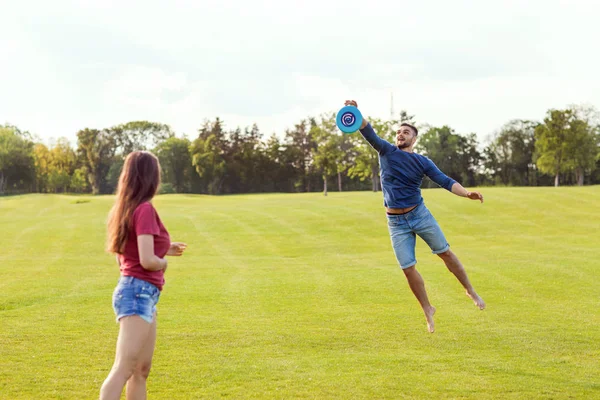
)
(402, 172)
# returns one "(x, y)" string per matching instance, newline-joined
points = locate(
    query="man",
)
(402, 172)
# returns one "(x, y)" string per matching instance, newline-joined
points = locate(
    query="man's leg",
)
(429, 230)
(454, 265)
(403, 242)
(417, 285)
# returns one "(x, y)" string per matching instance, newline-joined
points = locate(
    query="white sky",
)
(473, 65)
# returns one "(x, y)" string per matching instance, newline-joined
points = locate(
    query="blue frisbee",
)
(349, 119)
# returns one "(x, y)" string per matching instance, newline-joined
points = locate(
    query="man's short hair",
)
(415, 130)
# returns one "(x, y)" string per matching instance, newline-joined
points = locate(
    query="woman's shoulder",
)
(145, 207)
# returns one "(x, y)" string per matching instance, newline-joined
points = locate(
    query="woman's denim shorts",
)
(133, 296)
(403, 229)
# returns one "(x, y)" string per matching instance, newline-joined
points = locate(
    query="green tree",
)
(17, 162)
(42, 161)
(63, 162)
(299, 149)
(328, 152)
(209, 162)
(139, 135)
(510, 155)
(584, 142)
(280, 173)
(582, 149)
(208, 152)
(176, 163)
(558, 142)
(344, 158)
(244, 157)
(97, 150)
(79, 182)
(111, 179)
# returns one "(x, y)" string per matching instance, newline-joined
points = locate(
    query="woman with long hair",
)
(140, 241)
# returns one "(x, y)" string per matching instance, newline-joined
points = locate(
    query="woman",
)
(141, 242)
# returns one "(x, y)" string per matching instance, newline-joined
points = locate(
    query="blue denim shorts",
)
(404, 228)
(134, 296)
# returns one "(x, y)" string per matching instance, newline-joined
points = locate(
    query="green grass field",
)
(299, 296)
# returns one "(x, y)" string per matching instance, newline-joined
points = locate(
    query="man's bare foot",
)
(429, 317)
(476, 299)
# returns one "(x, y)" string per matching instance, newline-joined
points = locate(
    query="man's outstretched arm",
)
(434, 173)
(459, 190)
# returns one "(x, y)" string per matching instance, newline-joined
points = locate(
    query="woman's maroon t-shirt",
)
(145, 220)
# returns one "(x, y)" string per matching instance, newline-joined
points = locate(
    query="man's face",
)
(405, 137)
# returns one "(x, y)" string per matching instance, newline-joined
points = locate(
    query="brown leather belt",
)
(399, 211)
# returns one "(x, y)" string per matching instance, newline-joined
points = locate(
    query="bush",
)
(166, 188)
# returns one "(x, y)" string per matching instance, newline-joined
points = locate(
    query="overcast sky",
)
(473, 65)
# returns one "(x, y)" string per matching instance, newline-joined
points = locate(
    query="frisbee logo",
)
(348, 119)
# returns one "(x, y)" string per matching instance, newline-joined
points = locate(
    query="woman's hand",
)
(176, 249)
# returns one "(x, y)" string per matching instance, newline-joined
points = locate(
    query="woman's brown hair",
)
(138, 183)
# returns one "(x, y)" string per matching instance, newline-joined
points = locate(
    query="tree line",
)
(313, 155)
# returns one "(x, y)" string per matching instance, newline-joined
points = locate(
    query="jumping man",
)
(402, 172)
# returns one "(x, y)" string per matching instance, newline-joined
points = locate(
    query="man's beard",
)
(403, 145)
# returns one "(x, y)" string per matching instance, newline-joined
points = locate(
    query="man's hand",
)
(176, 249)
(459, 190)
(353, 103)
(475, 196)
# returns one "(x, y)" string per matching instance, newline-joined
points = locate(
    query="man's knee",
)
(446, 255)
(410, 270)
